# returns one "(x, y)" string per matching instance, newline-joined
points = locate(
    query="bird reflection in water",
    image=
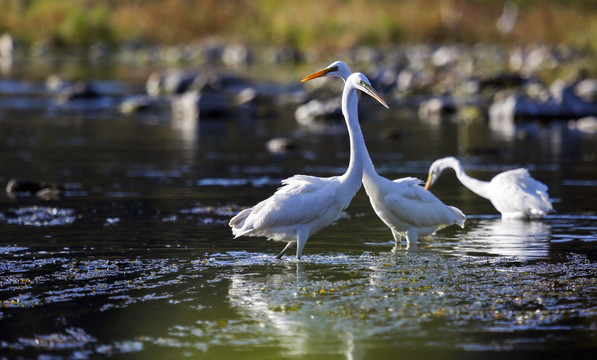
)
(524, 240)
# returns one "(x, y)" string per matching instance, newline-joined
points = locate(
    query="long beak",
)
(428, 183)
(371, 91)
(317, 74)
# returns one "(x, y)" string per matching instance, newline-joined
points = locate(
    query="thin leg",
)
(411, 240)
(398, 239)
(301, 239)
(285, 250)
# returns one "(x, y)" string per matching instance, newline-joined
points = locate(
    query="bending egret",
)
(514, 193)
(403, 205)
(306, 204)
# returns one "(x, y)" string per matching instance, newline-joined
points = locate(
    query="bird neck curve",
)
(477, 186)
(357, 143)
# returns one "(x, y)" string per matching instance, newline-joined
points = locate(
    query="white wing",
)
(408, 202)
(515, 191)
(302, 200)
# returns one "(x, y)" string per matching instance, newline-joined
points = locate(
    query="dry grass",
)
(327, 25)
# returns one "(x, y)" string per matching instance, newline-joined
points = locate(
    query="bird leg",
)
(398, 239)
(285, 250)
(302, 235)
(411, 240)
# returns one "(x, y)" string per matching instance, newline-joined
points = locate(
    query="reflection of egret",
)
(292, 320)
(507, 237)
(514, 193)
(402, 204)
(306, 204)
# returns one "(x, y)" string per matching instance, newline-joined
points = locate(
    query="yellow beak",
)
(371, 91)
(428, 183)
(316, 74)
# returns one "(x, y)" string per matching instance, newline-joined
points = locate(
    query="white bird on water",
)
(514, 193)
(403, 205)
(306, 204)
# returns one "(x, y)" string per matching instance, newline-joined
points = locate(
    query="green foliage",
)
(327, 25)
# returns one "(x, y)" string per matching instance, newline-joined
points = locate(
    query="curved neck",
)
(357, 143)
(479, 187)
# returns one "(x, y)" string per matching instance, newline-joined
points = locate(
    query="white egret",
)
(514, 193)
(306, 204)
(403, 205)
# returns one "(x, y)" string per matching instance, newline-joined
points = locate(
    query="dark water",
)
(136, 259)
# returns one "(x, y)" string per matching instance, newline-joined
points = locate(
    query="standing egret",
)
(403, 205)
(306, 204)
(514, 193)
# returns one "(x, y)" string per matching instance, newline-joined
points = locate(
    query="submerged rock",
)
(21, 188)
(195, 104)
(280, 145)
(437, 107)
(173, 82)
(319, 111)
(561, 103)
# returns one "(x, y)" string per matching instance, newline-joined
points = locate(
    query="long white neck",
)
(354, 173)
(352, 101)
(479, 187)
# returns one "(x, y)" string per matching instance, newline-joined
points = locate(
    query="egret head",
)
(361, 82)
(437, 167)
(337, 68)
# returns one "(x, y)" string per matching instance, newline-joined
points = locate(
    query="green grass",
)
(324, 25)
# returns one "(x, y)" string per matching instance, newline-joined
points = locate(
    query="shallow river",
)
(136, 259)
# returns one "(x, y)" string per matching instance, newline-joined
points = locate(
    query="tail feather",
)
(461, 218)
(237, 223)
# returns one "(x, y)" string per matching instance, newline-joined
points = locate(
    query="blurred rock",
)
(587, 89)
(169, 83)
(19, 188)
(280, 145)
(560, 103)
(437, 107)
(236, 55)
(140, 104)
(586, 124)
(319, 111)
(79, 91)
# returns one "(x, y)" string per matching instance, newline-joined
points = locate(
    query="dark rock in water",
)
(140, 104)
(194, 105)
(561, 103)
(280, 145)
(437, 107)
(501, 81)
(79, 91)
(317, 110)
(173, 82)
(19, 188)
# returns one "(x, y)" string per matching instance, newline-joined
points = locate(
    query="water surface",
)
(136, 259)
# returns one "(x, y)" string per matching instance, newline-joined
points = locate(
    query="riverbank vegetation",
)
(323, 25)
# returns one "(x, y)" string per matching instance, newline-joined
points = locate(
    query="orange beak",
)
(316, 75)
(428, 183)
